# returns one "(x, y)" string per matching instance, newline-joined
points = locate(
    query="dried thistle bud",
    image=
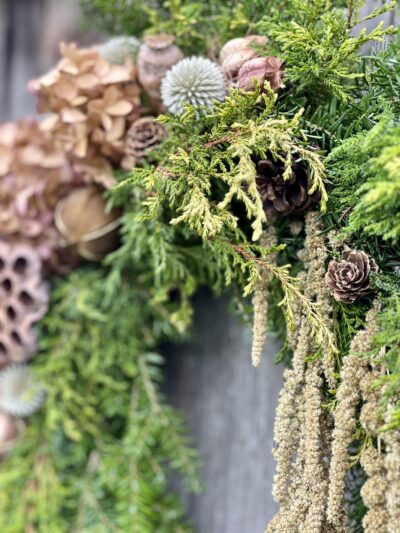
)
(143, 137)
(117, 49)
(237, 51)
(196, 81)
(349, 278)
(156, 55)
(261, 69)
(20, 392)
(82, 219)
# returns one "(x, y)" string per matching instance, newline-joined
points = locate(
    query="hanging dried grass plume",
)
(260, 300)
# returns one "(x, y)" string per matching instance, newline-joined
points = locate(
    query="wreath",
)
(238, 145)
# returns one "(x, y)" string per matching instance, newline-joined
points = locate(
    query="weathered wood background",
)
(229, 405)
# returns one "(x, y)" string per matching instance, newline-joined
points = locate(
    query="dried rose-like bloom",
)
(262, 69)
(237, 51)
(349, 278)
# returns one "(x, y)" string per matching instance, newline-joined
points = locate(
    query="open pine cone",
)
(24, 301)
(143, 136)
(284, 197)
(349, 278)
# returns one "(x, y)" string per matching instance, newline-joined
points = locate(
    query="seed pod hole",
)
(11, 313)
(25, 298)
(20, 265)
(16, 338)
(6, 285)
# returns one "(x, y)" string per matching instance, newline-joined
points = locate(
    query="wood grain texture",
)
(30, 33)
(230, 407)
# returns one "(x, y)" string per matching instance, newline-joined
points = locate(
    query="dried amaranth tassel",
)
(260, 301)
(349, 395)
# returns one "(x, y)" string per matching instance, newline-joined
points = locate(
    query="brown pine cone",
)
(284, 197)
(143, 136)
(349, 278)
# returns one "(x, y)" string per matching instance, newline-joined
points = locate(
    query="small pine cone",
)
(143, 137)
(24, 298)
(283, 197)
(349, 278)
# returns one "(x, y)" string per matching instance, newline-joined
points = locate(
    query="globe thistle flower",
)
(117, 49)
(20, 394)
(196, 81)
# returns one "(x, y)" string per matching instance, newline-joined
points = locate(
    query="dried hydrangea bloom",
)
(90, 104)
(34, 175)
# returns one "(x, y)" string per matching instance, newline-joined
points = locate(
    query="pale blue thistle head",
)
(20, 392)
(117, 49)
(196, 81)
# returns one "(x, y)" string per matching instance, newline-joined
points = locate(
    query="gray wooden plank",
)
(230, 408)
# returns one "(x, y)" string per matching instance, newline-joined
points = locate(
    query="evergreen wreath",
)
(287, 188)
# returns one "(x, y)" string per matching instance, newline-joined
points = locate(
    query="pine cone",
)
(24, 297)
(349, 278)
(143, 136)
(283, 197)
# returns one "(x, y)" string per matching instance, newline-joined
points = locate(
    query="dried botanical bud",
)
(196, 81)
(261, 69)
(236, 52)
(156, 55)
(281, 196)
(20, 393)
(349, 278)
(117, 49)
(142, 138)
(82, 219)
(8, 432)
